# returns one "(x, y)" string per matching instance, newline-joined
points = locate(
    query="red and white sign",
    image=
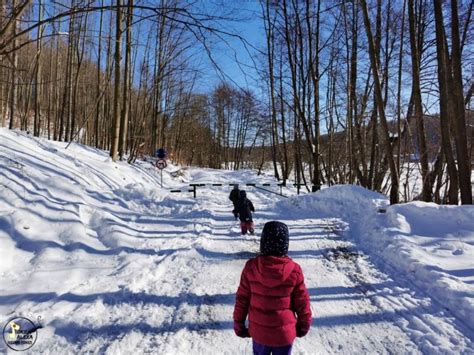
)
(160, 164)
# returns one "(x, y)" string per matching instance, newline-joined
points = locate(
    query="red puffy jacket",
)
(273, 294)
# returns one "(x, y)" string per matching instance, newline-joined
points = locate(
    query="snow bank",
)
(74, 201)
(342, 200)
(430, 245)
(434, 245)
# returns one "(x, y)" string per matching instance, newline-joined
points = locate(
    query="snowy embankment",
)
(115, 264)
(430, 245)
(110, 261)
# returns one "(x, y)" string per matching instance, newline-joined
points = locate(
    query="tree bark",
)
(416, 91)
(460, 130)
(126, 83)
(381, 110)
(118, 58)
(14, 81)
(445, 103)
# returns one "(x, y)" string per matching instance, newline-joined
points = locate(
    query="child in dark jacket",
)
(273, 295)
(234, 197)
(244, 210)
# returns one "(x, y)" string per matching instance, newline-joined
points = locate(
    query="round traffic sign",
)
(161, 164)
(161, 153)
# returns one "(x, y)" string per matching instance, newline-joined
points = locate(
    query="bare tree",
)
(460, 136)
(118, 58)
(126, 83)
(416, 92)
(380, 108)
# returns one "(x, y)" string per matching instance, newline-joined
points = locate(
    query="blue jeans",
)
(260, 349)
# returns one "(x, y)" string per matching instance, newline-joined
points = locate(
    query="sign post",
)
(161, 164)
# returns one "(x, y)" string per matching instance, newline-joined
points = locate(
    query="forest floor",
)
(107, 261)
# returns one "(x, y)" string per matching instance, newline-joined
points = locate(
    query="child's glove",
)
(300, 332)
(240, 330)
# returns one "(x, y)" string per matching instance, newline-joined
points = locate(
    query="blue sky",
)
(244, 20)
(228, 55)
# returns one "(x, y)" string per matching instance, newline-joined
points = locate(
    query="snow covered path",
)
(115, 265)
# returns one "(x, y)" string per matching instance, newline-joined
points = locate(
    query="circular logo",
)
(20, 333)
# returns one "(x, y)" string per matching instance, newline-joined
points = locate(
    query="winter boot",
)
(243, 227)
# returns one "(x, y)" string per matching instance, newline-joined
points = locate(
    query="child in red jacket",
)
(273, 295)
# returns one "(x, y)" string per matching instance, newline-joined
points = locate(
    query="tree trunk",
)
(14, 81)
(416, 90)
(445, 103)
(380, 107)
(99, 81)
(460, 130)
(126, 83)
(314, 73)
(118, 58)
(270, 40)
(399, 90)
(38, 85)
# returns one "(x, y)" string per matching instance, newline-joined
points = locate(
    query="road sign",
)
(161, 153)
(161, 164)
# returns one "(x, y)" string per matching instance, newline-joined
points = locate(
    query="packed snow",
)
(108, 261)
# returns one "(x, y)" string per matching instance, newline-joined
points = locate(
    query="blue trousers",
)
(260, 349)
